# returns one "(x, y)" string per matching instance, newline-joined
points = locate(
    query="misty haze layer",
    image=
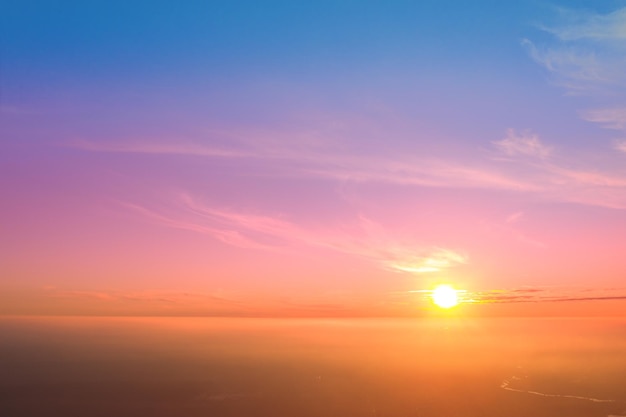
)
(269, 367)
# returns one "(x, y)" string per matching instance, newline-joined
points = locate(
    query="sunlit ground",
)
(363, 367)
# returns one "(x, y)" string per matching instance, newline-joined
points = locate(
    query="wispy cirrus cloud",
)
(577, 25)
(367, 239)
(173, 147)
(586, 55)
(227, 236)
(543, 294)
(564, 178)
(525, 143)
(608, 118)
(219, 303)
(578, 70)
(142, 302)
(531, 295)
(328, 162)
(146, 296)
(524, 163)
(620, 145)
(436, 261)
(51, 300)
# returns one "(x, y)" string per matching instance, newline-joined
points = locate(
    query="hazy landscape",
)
(312, 367)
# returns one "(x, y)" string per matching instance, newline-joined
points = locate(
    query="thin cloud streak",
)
(370, 240)
(148, 147)
(620, 145)
(579, 25)
(586, 57)
(543, 175)
(608, 118)
(527, 144)
(580, 72)
(146, 302)
(541, 295)
(151, 296)
(320, 162)
(206, 304)
(230, 237)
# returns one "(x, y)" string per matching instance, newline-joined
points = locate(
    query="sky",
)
(327, 158)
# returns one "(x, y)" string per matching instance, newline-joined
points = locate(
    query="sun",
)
(445, 296)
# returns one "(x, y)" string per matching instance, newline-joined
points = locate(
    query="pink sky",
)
(340, 191)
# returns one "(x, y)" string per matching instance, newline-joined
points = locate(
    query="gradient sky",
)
(311, 158)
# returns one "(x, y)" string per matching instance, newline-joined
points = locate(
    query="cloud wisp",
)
(579, 25)
(146, 296)
(586, 56)
(620, 145)
(608, 118)
(194, 303)
(327, 162)
(366, 239)
(613, 118)
(527, 299)
(520, 162)
(542, 294)
(526, 143)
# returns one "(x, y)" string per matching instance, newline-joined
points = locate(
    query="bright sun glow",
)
(445, 296)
